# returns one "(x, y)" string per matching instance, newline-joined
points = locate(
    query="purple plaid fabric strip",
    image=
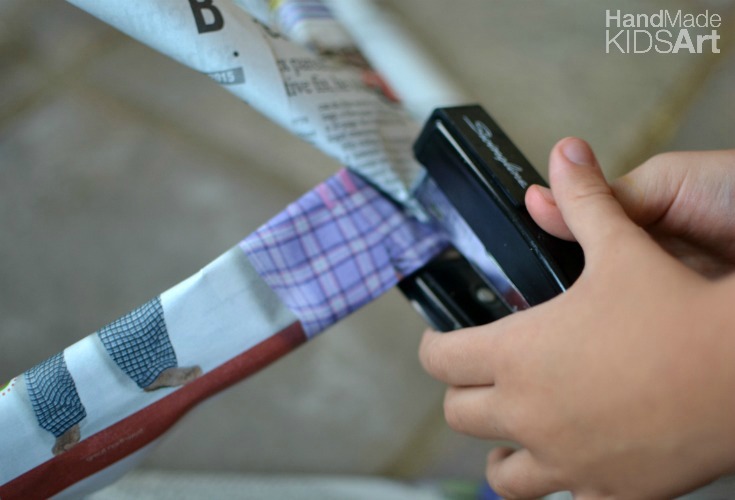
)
(337, 248)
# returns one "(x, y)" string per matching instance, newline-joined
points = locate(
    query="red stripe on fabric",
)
(110, 445)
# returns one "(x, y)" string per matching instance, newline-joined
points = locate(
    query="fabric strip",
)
(337, 248)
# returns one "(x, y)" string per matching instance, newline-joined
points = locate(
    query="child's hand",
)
(624, 386)
(685, 200)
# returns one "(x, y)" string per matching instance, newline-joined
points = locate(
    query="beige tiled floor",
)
(544, 74)
(121, 173)
(709, 121)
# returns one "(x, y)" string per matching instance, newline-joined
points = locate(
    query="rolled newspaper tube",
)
(311, 24)
(85, 416)
(324, 103)
(413, 73)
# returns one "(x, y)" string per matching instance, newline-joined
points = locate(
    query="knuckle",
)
(655, 160)
(664, 167)
(516, 425)
(590, 192)
(432, 358)
(671, 168)
(660, 160)
(502, 486)
(452, 413)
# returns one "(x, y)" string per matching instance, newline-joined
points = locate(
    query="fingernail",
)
(577, 151)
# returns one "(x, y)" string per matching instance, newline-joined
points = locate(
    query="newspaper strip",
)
(115, 391)
(318, 99)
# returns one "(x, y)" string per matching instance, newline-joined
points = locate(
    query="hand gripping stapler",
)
(500, 260)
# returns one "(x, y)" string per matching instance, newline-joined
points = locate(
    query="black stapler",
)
(501, 260)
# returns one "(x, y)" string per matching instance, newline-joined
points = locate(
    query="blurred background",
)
(122, 173)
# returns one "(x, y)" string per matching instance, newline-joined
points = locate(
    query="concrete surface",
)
(116, 183)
